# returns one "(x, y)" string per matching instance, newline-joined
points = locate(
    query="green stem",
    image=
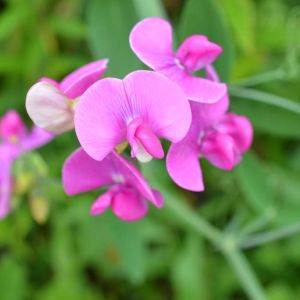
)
(266, 237)
(227, 246)
(264, 97)
(245, 274)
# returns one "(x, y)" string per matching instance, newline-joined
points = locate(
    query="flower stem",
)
(227, 246)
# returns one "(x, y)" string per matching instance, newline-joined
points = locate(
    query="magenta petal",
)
(183, 166)
(239, 128)
(220, 150)
(12, 126)
(159, 199)
(202, 90)
(100, 122)
(102, 203)
(197, 52)
(81, 173)
(128, 205)
(151, 41)
(35, 139)
(76, 83)
(5, 181)
(160, 103)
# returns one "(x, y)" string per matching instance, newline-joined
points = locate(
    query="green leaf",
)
(253, 181)
(187, 273)
(109, 25)
(149, 8)
(203, 17)
(242, 23)
(12, 280)
(268, 113)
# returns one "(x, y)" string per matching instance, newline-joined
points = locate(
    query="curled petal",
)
(197, 52)
(128, 205)
(151, 41)
(49, 108)
(76, 83)
(239, 128)
(183, 166)
(220, 150)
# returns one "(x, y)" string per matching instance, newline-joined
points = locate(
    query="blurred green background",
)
(51, 248)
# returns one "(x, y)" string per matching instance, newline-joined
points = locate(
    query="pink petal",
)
(81, 173)
(128, 205)
(5, 181)
(100, 117)
(102, 203)
(160, 103)
(35, 139)
(220, 150)
(199, 89)
(159, 199)
(50, 81)
(107, 107)
(239, 128)
(206, 115)
(212, 74)
(76, 83)
(12, 126)
(139, 135)
(197, 52)
(151, 41)
(183, 165)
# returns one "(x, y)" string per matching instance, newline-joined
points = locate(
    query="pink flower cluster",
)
(139, 110)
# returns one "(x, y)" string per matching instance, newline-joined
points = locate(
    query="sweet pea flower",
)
(15, 140)
(128, 191)
(51, 104)
(140, 108)
(216, 135)
(151, 40)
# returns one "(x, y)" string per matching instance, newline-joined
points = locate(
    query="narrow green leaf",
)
(109, 25)
(203, 17)
(149, 8)
(253, 181)
(269, 113)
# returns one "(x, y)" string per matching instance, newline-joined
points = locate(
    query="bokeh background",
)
(51, 248)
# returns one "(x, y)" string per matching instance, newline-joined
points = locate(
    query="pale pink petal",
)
(183, 165)
(239, 128)
(197, 52)
(12, 126)
(81, 173)
(35, 139)
(102, 203)
(128, 205)
(100, 117)
(220, 150)
(50, 80)
(160, 103)
(49, 108)
(76, 83)
(200, 89)
(151, 41)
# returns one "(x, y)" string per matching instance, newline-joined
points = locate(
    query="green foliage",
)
(51, 248)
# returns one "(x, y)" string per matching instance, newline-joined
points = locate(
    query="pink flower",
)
(14, 141)
(140, 108)
(151, 40)
(215, 135)
(51, 104)
(128, 191)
